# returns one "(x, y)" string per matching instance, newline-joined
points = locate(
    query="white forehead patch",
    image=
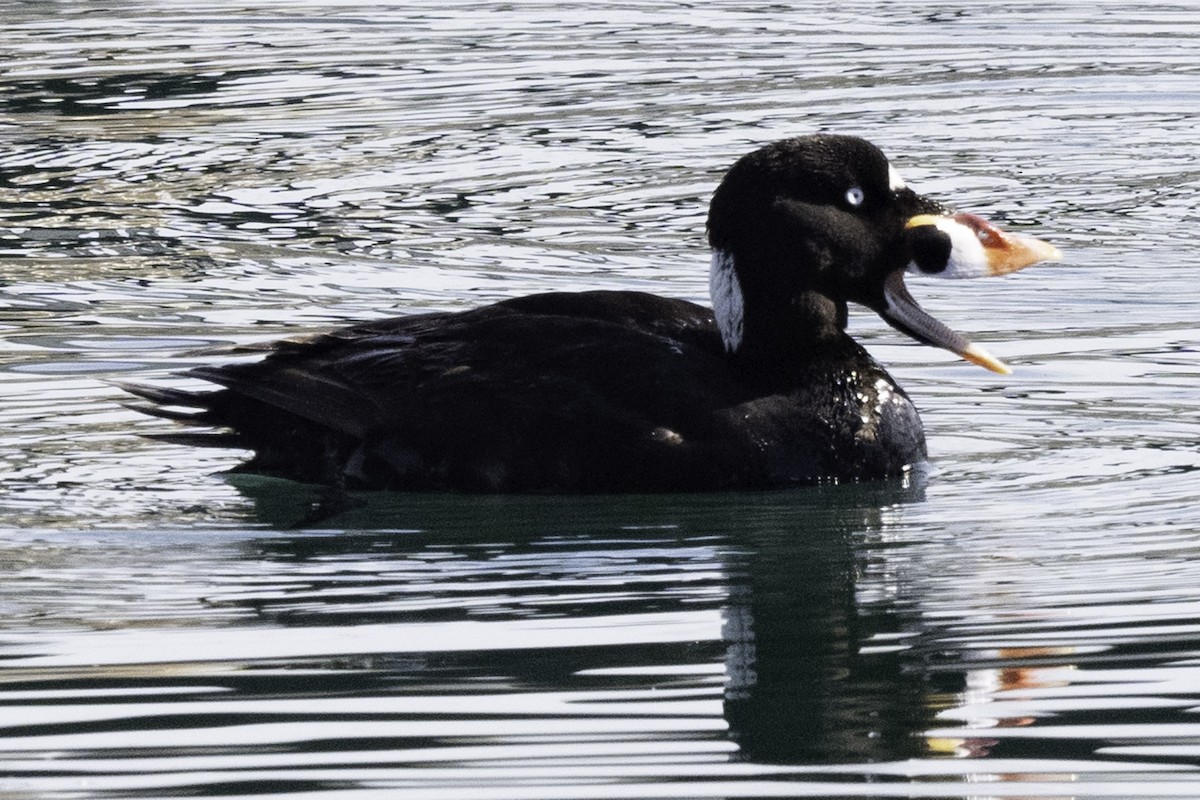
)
(894, 180)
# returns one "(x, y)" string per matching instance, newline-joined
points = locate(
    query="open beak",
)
(957, 246)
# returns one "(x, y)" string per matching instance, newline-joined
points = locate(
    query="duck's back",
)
(562, 392)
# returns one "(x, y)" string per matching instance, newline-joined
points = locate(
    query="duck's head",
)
(803, 226)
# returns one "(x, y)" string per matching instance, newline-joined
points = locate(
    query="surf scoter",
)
(616, 391)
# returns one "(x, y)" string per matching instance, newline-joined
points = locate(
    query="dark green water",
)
(1021, 621)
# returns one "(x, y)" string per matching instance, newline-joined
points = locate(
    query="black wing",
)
(554, 392)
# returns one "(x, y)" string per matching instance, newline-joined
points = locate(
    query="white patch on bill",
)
(967, 256)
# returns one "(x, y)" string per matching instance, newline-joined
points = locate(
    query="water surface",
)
(1021, 620)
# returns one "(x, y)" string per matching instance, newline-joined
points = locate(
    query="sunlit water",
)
(1021, 621)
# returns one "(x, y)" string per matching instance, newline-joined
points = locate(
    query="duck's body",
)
(589, 392)
(624, 391)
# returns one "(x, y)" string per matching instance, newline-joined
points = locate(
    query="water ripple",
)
(1024, 621)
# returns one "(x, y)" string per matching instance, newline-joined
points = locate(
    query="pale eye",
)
(854, 196)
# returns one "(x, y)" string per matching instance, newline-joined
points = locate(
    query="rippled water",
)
(1023, 621)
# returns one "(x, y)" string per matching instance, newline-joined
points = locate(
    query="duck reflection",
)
(816, 670)
(812, 678)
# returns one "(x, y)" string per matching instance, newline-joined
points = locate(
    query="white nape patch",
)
(967, 256)
(895, 182)
(726, 293)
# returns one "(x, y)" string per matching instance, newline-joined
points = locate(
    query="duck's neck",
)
(778, 326)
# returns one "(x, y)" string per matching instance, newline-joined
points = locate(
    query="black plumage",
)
(618, 391)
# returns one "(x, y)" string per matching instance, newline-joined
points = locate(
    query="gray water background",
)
(1022, 621)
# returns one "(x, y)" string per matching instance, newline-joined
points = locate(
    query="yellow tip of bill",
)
(977, 355)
